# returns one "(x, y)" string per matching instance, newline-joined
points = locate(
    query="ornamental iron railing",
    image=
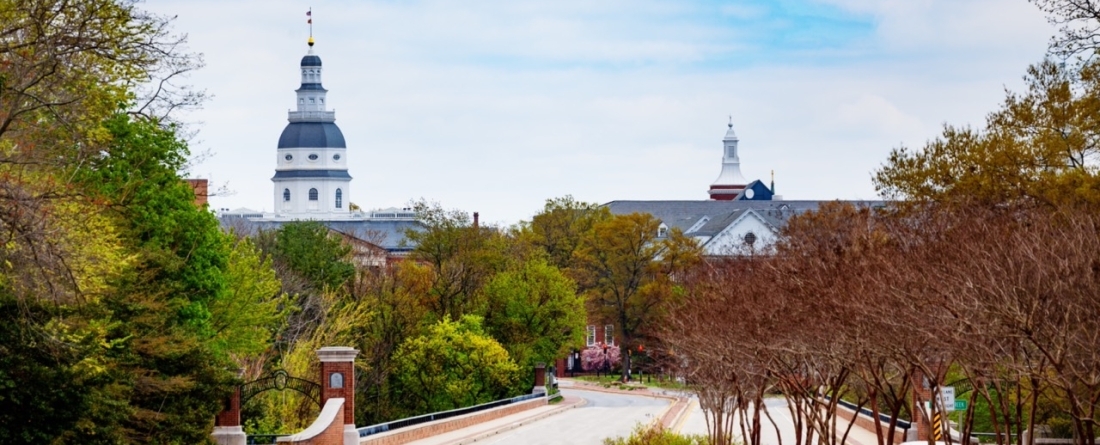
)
(280, 380)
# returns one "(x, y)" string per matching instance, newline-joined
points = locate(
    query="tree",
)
(454, 365)
(314, 253)
(246, 318)
(460, 256)
(629, 272)
(1040, 146)
(534, 312)
(1077, 21)
(560, 228)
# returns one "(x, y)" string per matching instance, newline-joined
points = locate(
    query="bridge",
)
(586, 414)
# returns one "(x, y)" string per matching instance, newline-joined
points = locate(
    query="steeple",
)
(311, 174)
(730, 181)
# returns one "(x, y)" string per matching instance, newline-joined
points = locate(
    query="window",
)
(339, 199)
(286, 194)
(590, 339)
(609, 334)
(313, 156)
(731, 151)
(750, 239)
(311, 100)
(662, 231)
(312, 194)
(289, 157)
(335, 157)
(322, 100)
(301, 101)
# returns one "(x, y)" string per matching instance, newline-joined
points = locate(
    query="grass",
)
(613, 381)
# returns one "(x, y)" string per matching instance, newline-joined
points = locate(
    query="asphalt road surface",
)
(605, 415)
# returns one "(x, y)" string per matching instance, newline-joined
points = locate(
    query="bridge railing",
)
(410, 421)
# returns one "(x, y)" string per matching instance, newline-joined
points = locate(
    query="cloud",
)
(497, 106)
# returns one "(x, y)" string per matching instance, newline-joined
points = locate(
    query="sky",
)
(497, 106)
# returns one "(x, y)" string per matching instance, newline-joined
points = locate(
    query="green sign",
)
(960, 405)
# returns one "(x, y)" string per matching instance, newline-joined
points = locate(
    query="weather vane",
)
(309, 13)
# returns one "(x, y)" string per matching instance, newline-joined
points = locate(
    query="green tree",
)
(561, 227)
(312, 251)
(535, 312)
(1039, 147)
(461, 259)
(253, 307)
(629, 273)
(452, 366)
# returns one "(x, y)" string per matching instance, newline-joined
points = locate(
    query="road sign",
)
(960, 405)
(947, 398)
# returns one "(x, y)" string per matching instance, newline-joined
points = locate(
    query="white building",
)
(311, 165)
(311, 179)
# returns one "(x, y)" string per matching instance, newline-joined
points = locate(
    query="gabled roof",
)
(684, 214)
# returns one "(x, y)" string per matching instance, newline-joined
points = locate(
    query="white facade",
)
(731, 163)
(311, 175)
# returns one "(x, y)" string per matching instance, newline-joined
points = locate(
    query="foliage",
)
(1042, 145)
(643, 435)
(461, 259)
(319, 256)
(452, 366)
(600, 357)
(253, 307)
(627, 270)
(561, 227)
(534, 312)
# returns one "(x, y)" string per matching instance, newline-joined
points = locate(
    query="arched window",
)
(312, 194)
(339, 199)
(286, 194)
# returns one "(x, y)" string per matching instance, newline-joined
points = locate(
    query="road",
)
(604, 415)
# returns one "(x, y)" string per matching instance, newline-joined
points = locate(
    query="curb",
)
(518, 423)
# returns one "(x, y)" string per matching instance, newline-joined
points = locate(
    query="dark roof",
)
(388, 234)
(719, 214)
(312, 135)
(311, 60)
(311, 87)
(317, 174)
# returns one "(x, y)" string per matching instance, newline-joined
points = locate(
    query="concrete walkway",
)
(488, 429)
(693, 422)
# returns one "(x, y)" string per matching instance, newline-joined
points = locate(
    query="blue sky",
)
(496, 106)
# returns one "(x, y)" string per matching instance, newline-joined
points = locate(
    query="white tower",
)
(730, 182)
(311, 174)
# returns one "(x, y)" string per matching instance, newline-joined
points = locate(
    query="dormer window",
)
(662, 231)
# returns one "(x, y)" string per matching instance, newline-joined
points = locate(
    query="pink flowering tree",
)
(600, 357)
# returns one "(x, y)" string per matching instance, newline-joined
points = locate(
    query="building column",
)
(540, 379)
(227, 424)
(338, 381)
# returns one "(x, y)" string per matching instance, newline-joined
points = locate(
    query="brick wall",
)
(417, 432)
(868, 423)
(333, 434)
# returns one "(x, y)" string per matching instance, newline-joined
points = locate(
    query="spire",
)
(730, 181)
(773, 181)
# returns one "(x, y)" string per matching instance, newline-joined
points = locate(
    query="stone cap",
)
(337, 354)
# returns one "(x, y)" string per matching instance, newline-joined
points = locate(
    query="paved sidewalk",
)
(493, 427)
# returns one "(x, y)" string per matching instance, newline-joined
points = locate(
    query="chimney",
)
(475, 221)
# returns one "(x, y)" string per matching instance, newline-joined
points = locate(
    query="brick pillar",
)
(338, 381)
(540, 379)
(227, 424)
(922, 394)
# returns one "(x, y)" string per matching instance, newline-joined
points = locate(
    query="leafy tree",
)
(535, 312)
(319, 256)
(454, 365)
(629, 273)
(1039, 147)
(245, 319)
(562, 226)
(461, 259)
